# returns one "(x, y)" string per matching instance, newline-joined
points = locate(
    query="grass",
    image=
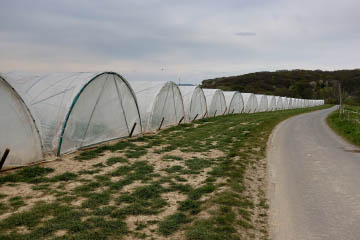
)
(172, 223)
(169, 190)
(346, 126)
(27, 175)
(114, 160)
(16, 202)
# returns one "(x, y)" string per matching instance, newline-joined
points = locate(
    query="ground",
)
(204, 180)
(346, 124)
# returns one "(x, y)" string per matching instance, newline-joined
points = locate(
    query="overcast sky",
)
(171, 40)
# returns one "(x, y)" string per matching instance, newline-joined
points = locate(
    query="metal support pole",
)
(195, 117)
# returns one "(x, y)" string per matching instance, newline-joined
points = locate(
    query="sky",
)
(183, 41)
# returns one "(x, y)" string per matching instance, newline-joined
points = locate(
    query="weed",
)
(197, 193)
(27, 174)
(96, 200)
(67, 176)
(113, 160)
(99, 165)
(180, 179)
(171, 157)
(90, 172)
(16, 202)
(173, 169)
(172, 223)
(191, 206)
(197, 164)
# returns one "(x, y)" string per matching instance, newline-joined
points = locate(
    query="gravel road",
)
(314, 181)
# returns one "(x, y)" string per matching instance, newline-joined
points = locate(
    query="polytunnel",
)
(234, 102)
(250, 102)
(19, 133)
(285, 103)
(271, 103)
(300, 103)
(194, 102)
(215, 100)
(290, 103)
(294, 103)
(160, 104)
(262, 103)
(279, 103)
(74, 110)
(306, 103)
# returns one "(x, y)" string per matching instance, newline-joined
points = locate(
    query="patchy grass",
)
(347, 125)
(27, 175)
(113, 160)
(185, 182)
(172, 223)
(16, 202)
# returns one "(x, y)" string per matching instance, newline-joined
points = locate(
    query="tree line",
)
(306, 84)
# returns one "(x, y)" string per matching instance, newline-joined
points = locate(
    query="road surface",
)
(314, 181)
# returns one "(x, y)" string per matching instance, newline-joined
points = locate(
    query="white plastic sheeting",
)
(297, 103)
(289, 100)
(279, 103)
(319, 102)
(262, 103)
(74, 110)
(234, 102)
(285, 103)
(194, 102)
(216, 104)
(305, 103)
(271, 103)
(300, 103)
(250, 102)
(18, 131)
(294, 103)
(160, 104)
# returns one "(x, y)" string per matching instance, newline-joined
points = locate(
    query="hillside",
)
(295, 83)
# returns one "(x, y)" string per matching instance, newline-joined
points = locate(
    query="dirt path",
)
(314, 179)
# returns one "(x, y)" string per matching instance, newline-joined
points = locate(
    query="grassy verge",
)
(347, 124)
(204, 180)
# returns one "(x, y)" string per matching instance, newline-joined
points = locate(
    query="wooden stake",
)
(6, 153)
(132, 130)
(161, 123)
(181, 120)
(195, 117)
